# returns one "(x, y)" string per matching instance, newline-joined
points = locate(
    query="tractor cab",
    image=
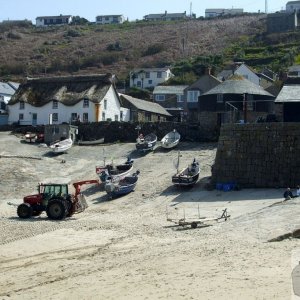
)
(52, 190)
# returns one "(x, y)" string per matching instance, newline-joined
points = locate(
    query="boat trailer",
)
(200, 221)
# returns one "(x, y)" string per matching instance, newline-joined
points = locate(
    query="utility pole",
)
(266, 6)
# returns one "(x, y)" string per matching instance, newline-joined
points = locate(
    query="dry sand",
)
(125, 248)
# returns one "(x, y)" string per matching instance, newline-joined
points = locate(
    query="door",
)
(34, 119)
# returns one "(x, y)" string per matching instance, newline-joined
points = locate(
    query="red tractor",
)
(55, 200)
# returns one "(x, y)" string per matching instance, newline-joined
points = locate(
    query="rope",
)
(20, 156)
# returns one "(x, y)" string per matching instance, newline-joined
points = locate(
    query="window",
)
(21, 117)
(148, 116)
(99, 18)
(159, 74)
(22, 105)
(180, 98)
(149, 81)
(106, 18)
(74, 117)
(121, 115)
(103, 116)
(139, 84)
(116, 118)
(85, 117)
(192, 96)
(147, 74)
(55, 104)
(160, 97)
(86, 102)
(220, 98)
(55, 117)
(105, 104)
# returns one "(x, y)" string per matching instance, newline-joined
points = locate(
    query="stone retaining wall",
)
(258, 155)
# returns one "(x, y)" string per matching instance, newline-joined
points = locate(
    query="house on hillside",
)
(88, 98)
(241, 69)
(149, 77)
(292, 6)
(7, 90)
(53, 20)
(110, 19)
(232, 100)
(169, 96)
(191, 95)
(166, 16)
(143, 111)
(218, 12)
(282, 21)
(294, 71)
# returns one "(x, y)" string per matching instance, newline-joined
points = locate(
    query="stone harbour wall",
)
(258, 155)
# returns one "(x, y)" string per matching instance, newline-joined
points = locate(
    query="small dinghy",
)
(91, 142)
(61, 146)
(170, 140)
(123, 186)
(146, 143)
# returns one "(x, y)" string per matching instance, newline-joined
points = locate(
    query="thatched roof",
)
(68, 90)
(289, 93)
(238, 85)
(145, 105)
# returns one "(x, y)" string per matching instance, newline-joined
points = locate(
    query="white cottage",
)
(53, 20)
(88, 98)
(149, 77)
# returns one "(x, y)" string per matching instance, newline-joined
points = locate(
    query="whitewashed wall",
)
(153, 77)
(65, 112)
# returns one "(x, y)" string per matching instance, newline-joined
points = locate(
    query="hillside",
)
(30, 51)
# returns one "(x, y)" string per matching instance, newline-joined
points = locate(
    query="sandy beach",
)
(125, 248)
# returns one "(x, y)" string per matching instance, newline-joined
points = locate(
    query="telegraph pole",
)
(266, 6)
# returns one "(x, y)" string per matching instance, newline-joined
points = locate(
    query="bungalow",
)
(110, 19)
(89, 98)
(232, 100)
(149, 77)
(166, 16)
(143, 111)
(53, 20)
(217, 12)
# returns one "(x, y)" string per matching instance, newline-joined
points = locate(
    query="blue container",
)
(219, 186)
(227, 187)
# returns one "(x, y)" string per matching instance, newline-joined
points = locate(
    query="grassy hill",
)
(78, 49)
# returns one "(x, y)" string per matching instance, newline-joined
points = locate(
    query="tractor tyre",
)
(56, 209)
(24, 211)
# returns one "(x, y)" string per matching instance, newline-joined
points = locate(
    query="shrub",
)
(153, 49)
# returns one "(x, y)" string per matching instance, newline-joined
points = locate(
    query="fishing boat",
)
(170, 140)
(187, 176)
(91, 142)
(146, 143)
(123, 186)
(61, 146)
(114, 172)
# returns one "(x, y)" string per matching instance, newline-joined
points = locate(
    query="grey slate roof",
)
(289, 93)
(238, 85)
(68, 90)
(170, 90)
(8, 88)
(145, 105)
